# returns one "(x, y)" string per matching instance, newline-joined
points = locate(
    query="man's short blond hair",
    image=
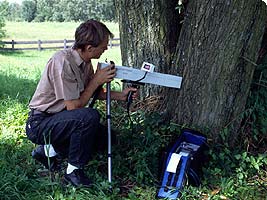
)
(91, 32)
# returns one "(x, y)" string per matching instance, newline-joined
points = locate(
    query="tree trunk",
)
(149, 33)
(215, 54)
(218, 45)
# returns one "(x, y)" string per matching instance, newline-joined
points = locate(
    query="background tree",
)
(75, 10)
(2, 31)
(103, 10)
(59, 10)
(14, 12)
(3, 9)
(214, 51)
(45, 10)
(10, 11)
(28, 10)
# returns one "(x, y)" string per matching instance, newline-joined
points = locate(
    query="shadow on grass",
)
(10, 52)
(15, 88)
(18, 53)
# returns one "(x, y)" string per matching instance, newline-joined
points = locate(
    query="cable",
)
(141, 78)
(129, 99)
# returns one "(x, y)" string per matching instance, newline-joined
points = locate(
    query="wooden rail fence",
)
(45, 44)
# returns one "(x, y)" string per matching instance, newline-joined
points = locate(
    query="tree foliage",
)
(2, 22)
(60, 10)
(14, 12)
(2, 31)
(4, 9)
(28, 10)
(10, 11)
(45, 9)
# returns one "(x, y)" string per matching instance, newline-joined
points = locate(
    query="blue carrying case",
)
(182, 164)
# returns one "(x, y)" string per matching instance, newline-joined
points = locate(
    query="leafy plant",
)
(255, 123)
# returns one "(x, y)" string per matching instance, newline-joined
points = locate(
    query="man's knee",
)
(93, 115)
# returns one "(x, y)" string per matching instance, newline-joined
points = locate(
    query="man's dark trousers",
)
(71, 132)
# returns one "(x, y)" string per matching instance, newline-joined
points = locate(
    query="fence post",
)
(13, 44)
(110, 43)
(65, 44)
(39, 45)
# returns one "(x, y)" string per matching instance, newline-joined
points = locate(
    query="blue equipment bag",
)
(183, 164)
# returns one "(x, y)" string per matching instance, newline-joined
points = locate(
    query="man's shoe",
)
(49, 163)
(78, 179)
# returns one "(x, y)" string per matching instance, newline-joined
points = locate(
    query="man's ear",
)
(89, 47)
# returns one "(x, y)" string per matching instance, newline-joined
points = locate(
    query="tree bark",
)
(218, 45)
(149, 33)
(215, 54)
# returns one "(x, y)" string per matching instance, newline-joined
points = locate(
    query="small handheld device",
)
(148, 67)
(130, 94)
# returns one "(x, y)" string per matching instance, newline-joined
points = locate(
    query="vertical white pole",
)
(108, 102)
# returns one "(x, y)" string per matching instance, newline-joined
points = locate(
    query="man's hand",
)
(104, 75)
(125, 92)
(123, 95)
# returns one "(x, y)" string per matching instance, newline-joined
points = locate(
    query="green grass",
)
(19, 31)
(136, 158)
(23, 31)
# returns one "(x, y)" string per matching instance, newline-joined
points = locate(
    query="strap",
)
(95, 95)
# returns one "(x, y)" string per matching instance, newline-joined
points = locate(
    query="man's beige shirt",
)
(66, 75)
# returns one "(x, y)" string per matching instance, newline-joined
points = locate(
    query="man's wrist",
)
(119, 96)
(95, 83)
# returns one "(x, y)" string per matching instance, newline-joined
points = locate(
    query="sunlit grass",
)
(19, 31)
